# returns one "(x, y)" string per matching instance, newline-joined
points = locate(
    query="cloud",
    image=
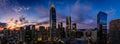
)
(11, 12)
(111, 11)
(4, 7)
(80, 14)
(44, 12)
(83, 26)
(77, 6)
(3, 2)
(19, 9)
(42, 23)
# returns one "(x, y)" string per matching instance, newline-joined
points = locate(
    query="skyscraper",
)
(73, 30)
(34, 34)
(48, 33)
(40, 33)
(44, 33)
(6, 34)
(52, 22)
(115, 31)
(28, 34)
(74, 27)
(102, 27)
(94, 36)
(21, 34)
(61, 31)
(58, 31)
(68, 26)
(102, 20)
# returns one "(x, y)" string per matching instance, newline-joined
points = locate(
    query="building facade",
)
(28, 35)
(61, 31)
(43, 33)
(102, 27)
(115, 31)
(68, 26)
(52, 22)
(94, 36)
(21, 34)
(73, 30)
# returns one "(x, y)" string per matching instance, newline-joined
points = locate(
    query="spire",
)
(52, 6)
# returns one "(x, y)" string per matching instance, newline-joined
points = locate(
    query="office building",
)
(34, 34)
(61, 31)
(44, 33)
(52, 23)
(68, 26)
(115, 31)
(21, 34)
(28, 35)
(94, 36)
(48, 33)
(74, 30)
(102, 27)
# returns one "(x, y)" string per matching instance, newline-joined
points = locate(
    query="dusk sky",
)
(82, 12)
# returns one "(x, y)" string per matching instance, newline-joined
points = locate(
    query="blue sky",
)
(83, 12)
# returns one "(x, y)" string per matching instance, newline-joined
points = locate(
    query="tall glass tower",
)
(102, 27)
(52, 22)
(102, 20)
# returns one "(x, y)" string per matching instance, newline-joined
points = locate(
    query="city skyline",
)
(37, 11)
(59, 22)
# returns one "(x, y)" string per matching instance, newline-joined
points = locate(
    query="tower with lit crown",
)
(52, 22)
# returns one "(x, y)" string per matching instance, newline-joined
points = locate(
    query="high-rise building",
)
(48, 33)
(53, 22)
(21, 34)
(6, 33)
(31, 34)
(28, 35)
(102, 20)
(34, 34)
(58, 31)
(74, 30)
(44, 33)
(61, 31)
(39, 34)
(102, 28)
(115, 31)
(94, 36)
(68, 26)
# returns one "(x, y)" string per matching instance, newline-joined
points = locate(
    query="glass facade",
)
(102, 28)
(52, 22)
(102, 19)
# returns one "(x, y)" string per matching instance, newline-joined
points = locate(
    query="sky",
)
(82, 12)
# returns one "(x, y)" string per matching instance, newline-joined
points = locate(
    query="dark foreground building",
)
(115, 31)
